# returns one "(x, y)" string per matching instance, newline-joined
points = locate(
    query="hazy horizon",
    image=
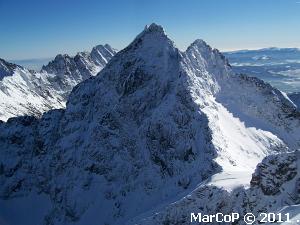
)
(37, 63)
(61, 52)
(42, 29)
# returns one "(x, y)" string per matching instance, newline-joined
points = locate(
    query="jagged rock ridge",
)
(152, 125)
(26, 92)
(6, 68)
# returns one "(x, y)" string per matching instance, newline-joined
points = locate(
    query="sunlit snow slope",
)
(26, 92)
(146, 131)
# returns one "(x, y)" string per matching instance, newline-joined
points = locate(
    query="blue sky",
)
(44, 28)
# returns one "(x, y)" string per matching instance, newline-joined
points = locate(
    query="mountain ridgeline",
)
(27, 92)
(143, 133)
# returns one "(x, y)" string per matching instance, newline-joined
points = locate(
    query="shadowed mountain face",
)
(274, 188)
(26, 92)
(152, 125)
(83, 65)
(6, 68)
(295, 97)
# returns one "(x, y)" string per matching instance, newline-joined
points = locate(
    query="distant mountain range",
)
(29, 92)
(278, 66)
(32, 64)
(157, 134)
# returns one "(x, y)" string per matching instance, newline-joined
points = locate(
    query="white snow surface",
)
(230, 180)
(274, 188)
(157, 133)
(26, 92)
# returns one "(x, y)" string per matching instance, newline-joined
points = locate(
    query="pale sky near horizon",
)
(44, 28)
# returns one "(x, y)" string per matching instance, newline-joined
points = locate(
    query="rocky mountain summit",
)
(27, 92)
(145, 132)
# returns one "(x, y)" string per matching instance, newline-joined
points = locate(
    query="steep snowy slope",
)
(247, 117)
(151, 126)
(26, 92)
(274, 188)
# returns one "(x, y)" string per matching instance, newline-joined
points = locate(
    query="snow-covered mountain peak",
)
(101, 54)
(84, 54)
(6, 68)
(107, 46)
(199, 48)
(83, 65)
(208, 65)
(104, 48)
(201, 44)
(152, 125)
(61, 57)
(151, 35)
(151, 53)
(60, 65)
(151, 56)
(153, 31)
(26, 92)
(154, 28)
